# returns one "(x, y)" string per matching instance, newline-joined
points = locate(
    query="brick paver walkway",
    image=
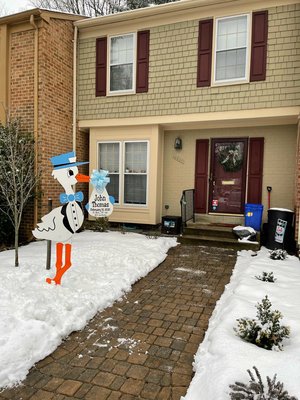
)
(143, 346)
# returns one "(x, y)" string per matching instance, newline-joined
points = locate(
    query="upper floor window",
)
(231, 49)
(233, 56)
(121, 63)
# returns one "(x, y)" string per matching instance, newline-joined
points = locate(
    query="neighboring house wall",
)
(55, 101)
(173, 73)
(21, 87)
(21, 97)
(45, 110)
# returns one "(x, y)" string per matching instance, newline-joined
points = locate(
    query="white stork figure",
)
(62, 222)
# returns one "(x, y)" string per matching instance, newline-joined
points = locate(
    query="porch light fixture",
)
(178, 144)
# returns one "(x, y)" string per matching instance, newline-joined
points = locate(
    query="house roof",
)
(152, 11)
(39, 12)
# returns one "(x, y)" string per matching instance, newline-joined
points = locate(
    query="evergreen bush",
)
(266, 331)
(256, 390)
(278, 254)
(266, 277)
(101, 224)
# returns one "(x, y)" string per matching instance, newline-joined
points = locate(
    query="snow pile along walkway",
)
(36, 316)
(223, 357)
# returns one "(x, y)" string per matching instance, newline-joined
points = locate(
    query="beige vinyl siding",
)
(173, 68)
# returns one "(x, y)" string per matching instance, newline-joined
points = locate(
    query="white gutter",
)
(74, 86)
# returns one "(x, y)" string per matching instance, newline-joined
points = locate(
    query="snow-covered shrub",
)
(266, 277)
(256, 390)
(265, 331)
(278, 254)
(101, 224)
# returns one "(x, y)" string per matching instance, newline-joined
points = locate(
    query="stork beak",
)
(82, 178)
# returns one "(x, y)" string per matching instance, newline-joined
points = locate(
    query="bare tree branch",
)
(17, 174)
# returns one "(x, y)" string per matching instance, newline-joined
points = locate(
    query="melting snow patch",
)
(110, 328)
(128, 343)
(190, 271)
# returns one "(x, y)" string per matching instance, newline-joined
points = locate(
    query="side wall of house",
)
(56, 104)
(173, 72)
(278, 169)
(21, 97)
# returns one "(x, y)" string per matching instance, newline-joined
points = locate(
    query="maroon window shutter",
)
(201, 175)
(255, 174)
(142, 62)
(259, 46)
(101, 66)
(204, 53)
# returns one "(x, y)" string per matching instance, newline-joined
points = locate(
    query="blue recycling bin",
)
(253, 215)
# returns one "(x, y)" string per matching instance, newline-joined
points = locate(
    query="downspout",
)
(74, 86)
(297, 187)
(35, 110)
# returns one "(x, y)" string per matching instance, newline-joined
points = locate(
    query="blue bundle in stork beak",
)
(99, 179)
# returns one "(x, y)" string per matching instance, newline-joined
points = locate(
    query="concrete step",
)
(209, 230)
(214, 241)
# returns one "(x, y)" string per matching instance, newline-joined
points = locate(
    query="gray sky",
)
(14, 6)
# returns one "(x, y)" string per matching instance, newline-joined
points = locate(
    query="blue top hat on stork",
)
(62, 222)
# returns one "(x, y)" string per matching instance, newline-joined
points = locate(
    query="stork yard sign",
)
(62, 222)
(100, 203)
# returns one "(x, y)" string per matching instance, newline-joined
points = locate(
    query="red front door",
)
(228, 175)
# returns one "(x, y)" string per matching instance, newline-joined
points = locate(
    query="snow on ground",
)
(36, 316)
(223, 358)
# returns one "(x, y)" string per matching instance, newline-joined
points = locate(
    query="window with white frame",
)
(231, 48)
(121, 63)
(127, 163)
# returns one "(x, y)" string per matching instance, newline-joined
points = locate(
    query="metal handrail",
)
(187, 206)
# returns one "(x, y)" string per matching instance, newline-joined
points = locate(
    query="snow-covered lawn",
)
(36, 316)
(223, 357)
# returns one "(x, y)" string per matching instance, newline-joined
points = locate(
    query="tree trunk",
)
(16, 246)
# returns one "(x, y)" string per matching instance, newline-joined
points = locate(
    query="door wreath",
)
(231, 158)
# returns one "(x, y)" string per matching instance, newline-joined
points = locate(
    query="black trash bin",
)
(280, 230)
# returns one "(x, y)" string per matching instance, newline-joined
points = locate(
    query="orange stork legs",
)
(60, 267)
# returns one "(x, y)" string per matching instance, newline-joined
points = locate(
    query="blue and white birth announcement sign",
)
(100, 203)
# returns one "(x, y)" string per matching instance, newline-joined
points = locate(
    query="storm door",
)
(228, 175)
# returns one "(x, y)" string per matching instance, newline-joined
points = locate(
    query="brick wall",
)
(82, 152)
(22, 78)
(55, 102)
(21, 91)
(172, 74)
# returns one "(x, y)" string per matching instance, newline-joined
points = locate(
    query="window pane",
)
(113, 187)
(231, 64)
(232, 33)
(121, 63)
(121, 77)
(135, 189)
(121, 50)
(136, 157)
(109, 160)
(109, 157)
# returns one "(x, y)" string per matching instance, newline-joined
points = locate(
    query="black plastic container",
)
(280, 230)
(171, 225)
